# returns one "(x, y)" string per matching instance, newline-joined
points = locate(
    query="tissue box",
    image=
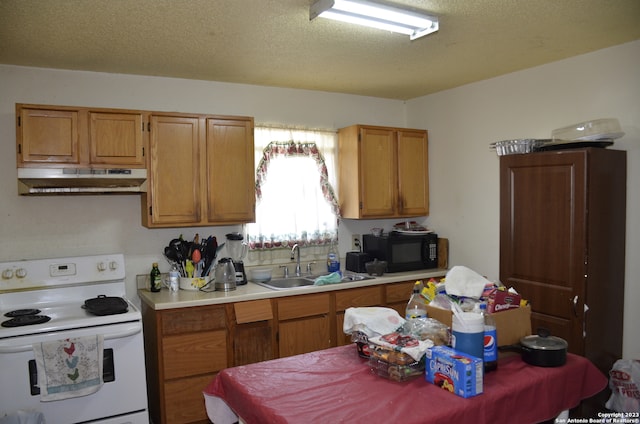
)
(511, 325)
(454, 371)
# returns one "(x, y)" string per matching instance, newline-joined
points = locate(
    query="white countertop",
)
(164, 299)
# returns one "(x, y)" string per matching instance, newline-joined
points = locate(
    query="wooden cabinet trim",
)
(359, 297)
(303, 306)
(253, 311)
(189, 320)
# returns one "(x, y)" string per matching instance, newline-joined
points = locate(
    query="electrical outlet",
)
(355, 242)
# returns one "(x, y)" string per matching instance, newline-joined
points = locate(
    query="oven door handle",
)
(135, 328)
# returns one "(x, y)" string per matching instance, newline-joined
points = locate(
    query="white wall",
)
(527, 104)
(461, 123)
(40, 227)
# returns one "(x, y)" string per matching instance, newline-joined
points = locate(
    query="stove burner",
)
(19, 321)
(21, 312)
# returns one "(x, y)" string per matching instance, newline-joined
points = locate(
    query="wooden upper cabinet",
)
(383, 172)
(230, 171)
(413, 174)
(200, 170)
(79, 137)
(116, 138)
(47, 135)
(174, 172)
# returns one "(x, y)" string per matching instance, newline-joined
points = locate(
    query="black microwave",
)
(403, 252)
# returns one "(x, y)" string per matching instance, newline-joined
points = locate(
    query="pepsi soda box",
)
(454, 371)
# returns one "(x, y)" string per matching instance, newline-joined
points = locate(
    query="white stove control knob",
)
(102, 266)
(21, 272)
(113, 265)
(7, 274)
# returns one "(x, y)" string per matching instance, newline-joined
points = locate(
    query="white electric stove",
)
(41, 301)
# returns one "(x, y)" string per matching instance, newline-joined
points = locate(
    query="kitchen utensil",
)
(196, 255)
(106, 305)
(541, 350)
(225, 275)
(189, 268)
(237, 248)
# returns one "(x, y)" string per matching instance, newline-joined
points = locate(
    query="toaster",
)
(355, 261)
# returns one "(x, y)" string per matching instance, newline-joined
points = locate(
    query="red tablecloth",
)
(335, 385)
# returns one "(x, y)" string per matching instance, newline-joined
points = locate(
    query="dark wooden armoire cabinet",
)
(562, 244)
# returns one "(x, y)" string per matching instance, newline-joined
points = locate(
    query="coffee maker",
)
(237, 249)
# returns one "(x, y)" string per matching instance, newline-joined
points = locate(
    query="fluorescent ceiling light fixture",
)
(376, 15)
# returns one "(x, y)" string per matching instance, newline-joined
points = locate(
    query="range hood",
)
(40, 181)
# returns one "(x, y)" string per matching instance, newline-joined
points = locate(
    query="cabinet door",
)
(303, 336)
(116, 139)
(413, 175)
(174, 171)
(48, 136)
(543, 238)
(252, 331)
(183, 401)
(230, 171)
(378, 172)
(303, 324)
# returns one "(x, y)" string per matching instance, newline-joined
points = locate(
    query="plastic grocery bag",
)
(624, 382)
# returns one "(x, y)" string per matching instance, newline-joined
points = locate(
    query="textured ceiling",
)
(273, 43)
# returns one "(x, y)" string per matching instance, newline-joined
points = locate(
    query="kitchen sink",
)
(286, 283)
(296, 282)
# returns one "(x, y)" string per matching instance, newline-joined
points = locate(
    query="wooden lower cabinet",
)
(303, 324)
(183, 400)
(186, 347)
(252, 331)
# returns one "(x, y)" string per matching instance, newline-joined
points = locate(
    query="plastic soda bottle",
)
(416, 308)
(490, 340)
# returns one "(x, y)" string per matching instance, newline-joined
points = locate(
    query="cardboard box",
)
(454, 371)
(511, 325)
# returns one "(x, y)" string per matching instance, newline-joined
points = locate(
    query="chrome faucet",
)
(293, 256)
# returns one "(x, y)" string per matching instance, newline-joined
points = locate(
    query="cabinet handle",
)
(574, 305)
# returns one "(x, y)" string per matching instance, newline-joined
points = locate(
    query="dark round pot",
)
(542, 350)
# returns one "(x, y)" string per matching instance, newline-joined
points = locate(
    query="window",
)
(295, 176)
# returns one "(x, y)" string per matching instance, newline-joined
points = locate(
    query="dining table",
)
(336, 385)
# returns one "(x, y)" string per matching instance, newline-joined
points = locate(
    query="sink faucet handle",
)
(309, 265)
(286, 270)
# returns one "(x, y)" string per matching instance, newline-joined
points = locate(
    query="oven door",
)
(122, 398)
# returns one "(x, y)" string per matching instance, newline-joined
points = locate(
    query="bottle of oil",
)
(155, 279)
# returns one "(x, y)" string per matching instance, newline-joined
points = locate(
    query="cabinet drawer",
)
(303, 306)
(366, 296)
(399, 292)
(183, 399)
(253, 311)
(194, 353)
(187, 320)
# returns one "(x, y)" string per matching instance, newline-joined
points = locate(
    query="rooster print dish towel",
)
(69, 368)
